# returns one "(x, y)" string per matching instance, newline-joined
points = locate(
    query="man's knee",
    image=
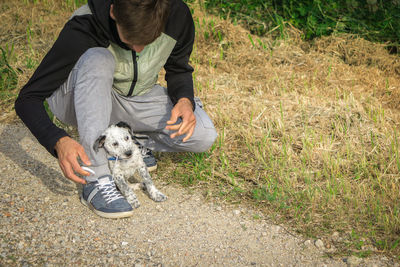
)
(205, 142)
(97, 61)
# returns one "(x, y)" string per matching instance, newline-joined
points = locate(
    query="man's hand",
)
(184, 110)
(68, 151)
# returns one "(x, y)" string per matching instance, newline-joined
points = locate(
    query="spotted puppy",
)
(125, 160)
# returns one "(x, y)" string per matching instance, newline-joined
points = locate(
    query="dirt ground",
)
(43, 223)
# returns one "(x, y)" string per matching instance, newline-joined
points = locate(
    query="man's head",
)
(139, 22)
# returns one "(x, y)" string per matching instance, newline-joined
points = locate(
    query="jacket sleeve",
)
(78, 35)
(178, 71)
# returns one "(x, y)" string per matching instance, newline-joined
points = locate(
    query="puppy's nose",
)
(128, 153)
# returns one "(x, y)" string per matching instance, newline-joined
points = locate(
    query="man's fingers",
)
(187, 129)
(187, 126)
(188, 135)
(84, 157)
(184, 110)
(69, 173)
(77, 179)
(77, 168)
(174, 127)
(68, 151)
(174, 118)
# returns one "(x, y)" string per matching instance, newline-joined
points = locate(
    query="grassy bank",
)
(308, 134)
(373, 20)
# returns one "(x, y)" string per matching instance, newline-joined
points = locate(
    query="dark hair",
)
(141, 21)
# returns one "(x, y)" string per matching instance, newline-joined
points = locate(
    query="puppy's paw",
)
(134, 202)
(154, 194)
(158, 196)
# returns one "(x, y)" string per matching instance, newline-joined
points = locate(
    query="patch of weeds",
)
(74, 4)
(49, 113)
(356, 240)
(387, 244)
(271, 194)
(195, 167)
(374, 20)
(30, 63)
(363, 254)
(233, 194)
(8, 75)
(26, 2)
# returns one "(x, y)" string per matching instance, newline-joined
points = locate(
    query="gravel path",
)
(43, 223)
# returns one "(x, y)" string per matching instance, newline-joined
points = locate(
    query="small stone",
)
(159, 208)
(236, 212)
(319, 244)
(124, 243)
(21, 245)
(307, 243)
(353, 261)
(335, 236)
(277, 228)
(219, 208)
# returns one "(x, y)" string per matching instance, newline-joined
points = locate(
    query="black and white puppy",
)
(125, 160)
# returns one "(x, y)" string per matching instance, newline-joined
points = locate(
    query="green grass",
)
(378, 21)
(8, 75)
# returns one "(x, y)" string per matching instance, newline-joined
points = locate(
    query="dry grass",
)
(307, 132)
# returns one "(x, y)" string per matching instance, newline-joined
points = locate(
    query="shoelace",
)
(110, 192)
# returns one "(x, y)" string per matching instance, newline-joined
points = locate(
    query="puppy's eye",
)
(115, 144)
(126, 138)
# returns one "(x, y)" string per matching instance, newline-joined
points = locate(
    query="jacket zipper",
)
(135, 73)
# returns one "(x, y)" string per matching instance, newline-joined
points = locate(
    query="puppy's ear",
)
(99, 143)
(123, 124)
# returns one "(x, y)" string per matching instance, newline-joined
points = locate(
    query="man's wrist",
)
(187, 100)
(61, 141)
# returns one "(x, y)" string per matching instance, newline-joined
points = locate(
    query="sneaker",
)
(103, 198)
(148, 156)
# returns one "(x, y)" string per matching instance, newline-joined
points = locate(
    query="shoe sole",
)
(115, 215)
(152, 168)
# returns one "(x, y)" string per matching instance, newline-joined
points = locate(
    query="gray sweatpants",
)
(87, 100)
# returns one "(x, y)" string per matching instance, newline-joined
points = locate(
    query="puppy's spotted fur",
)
(126, 160)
